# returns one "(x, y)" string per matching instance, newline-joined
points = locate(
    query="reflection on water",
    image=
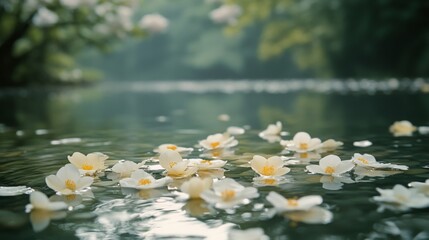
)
(39, 128)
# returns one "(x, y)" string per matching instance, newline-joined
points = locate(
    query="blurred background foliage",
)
(263, 39)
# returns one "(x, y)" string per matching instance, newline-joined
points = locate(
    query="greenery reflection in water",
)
(40, 128)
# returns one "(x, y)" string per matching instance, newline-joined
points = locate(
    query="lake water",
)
(40, 127)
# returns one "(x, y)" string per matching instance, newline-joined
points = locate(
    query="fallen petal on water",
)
(364, 143)
(14, 191)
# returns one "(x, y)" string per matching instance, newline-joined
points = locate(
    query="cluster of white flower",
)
(204, 178)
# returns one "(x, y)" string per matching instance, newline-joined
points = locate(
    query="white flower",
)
(143, 180)
(369, 161)
(154, 23)
(125, 168)
(302, 142)
(282, 204)
(402, 128)
(227, 193)
(235, 130)
(271, 167)
(173, 147)
(331, 144)
(422, 187)
(45, 17)
(248, 234)
(68, 180)
(217, 141)
(174, 165)
(315, 215)
(40, 201)
(195, 186)
(89, 164)
(226, 14)
(331, 165)
(407, 197)
(202, 164)
(272, 133)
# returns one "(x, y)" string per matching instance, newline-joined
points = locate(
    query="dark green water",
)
(41, 127)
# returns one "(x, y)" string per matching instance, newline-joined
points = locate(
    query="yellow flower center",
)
(267, 170)
(144, 181)
(215, 144)
(70, 184)
(292, 202)
(172, 147)
(329, 170)
(303, 155)
(87, 167)
(363, 160)
(269, 181)
(228, 195)
(206, 162)
(172, 164)
(303, 146)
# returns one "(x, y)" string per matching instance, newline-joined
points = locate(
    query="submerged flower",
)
(331, 165)
(89, 164)
(282, 204)
(402, 128)
(302, 142)
(271, 167)
(406, 197)
(227, 193)
(422, 187)
(331, 182)
(369, 161)
(173, 147)
(143, 180)
(248, 234)
(174, 165)
(154, 23)
(68, 181)
(40, 219)
(202, 164)
(40, 201)
(315, 215)
(331, 144)
(125, 168)
(217, 141)
(195, 186)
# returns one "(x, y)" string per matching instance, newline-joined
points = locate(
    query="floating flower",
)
(405, 197)
(202, 164)
(217, 141)
(302, 142)
(227, 193)
(235, 130)
(68, 181)
(331, 144)
(272, 132)
(282, 204)
(248, 234)
(143, 180)
(402, 128)
(331, 165)
(89, 164)
(315, 215)
(154, 23)
(271, 167)
(173, 147)
(174, 165)
(422, 187)
(369, 161)
(195, 186)
(40, 201)
(125, 168)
